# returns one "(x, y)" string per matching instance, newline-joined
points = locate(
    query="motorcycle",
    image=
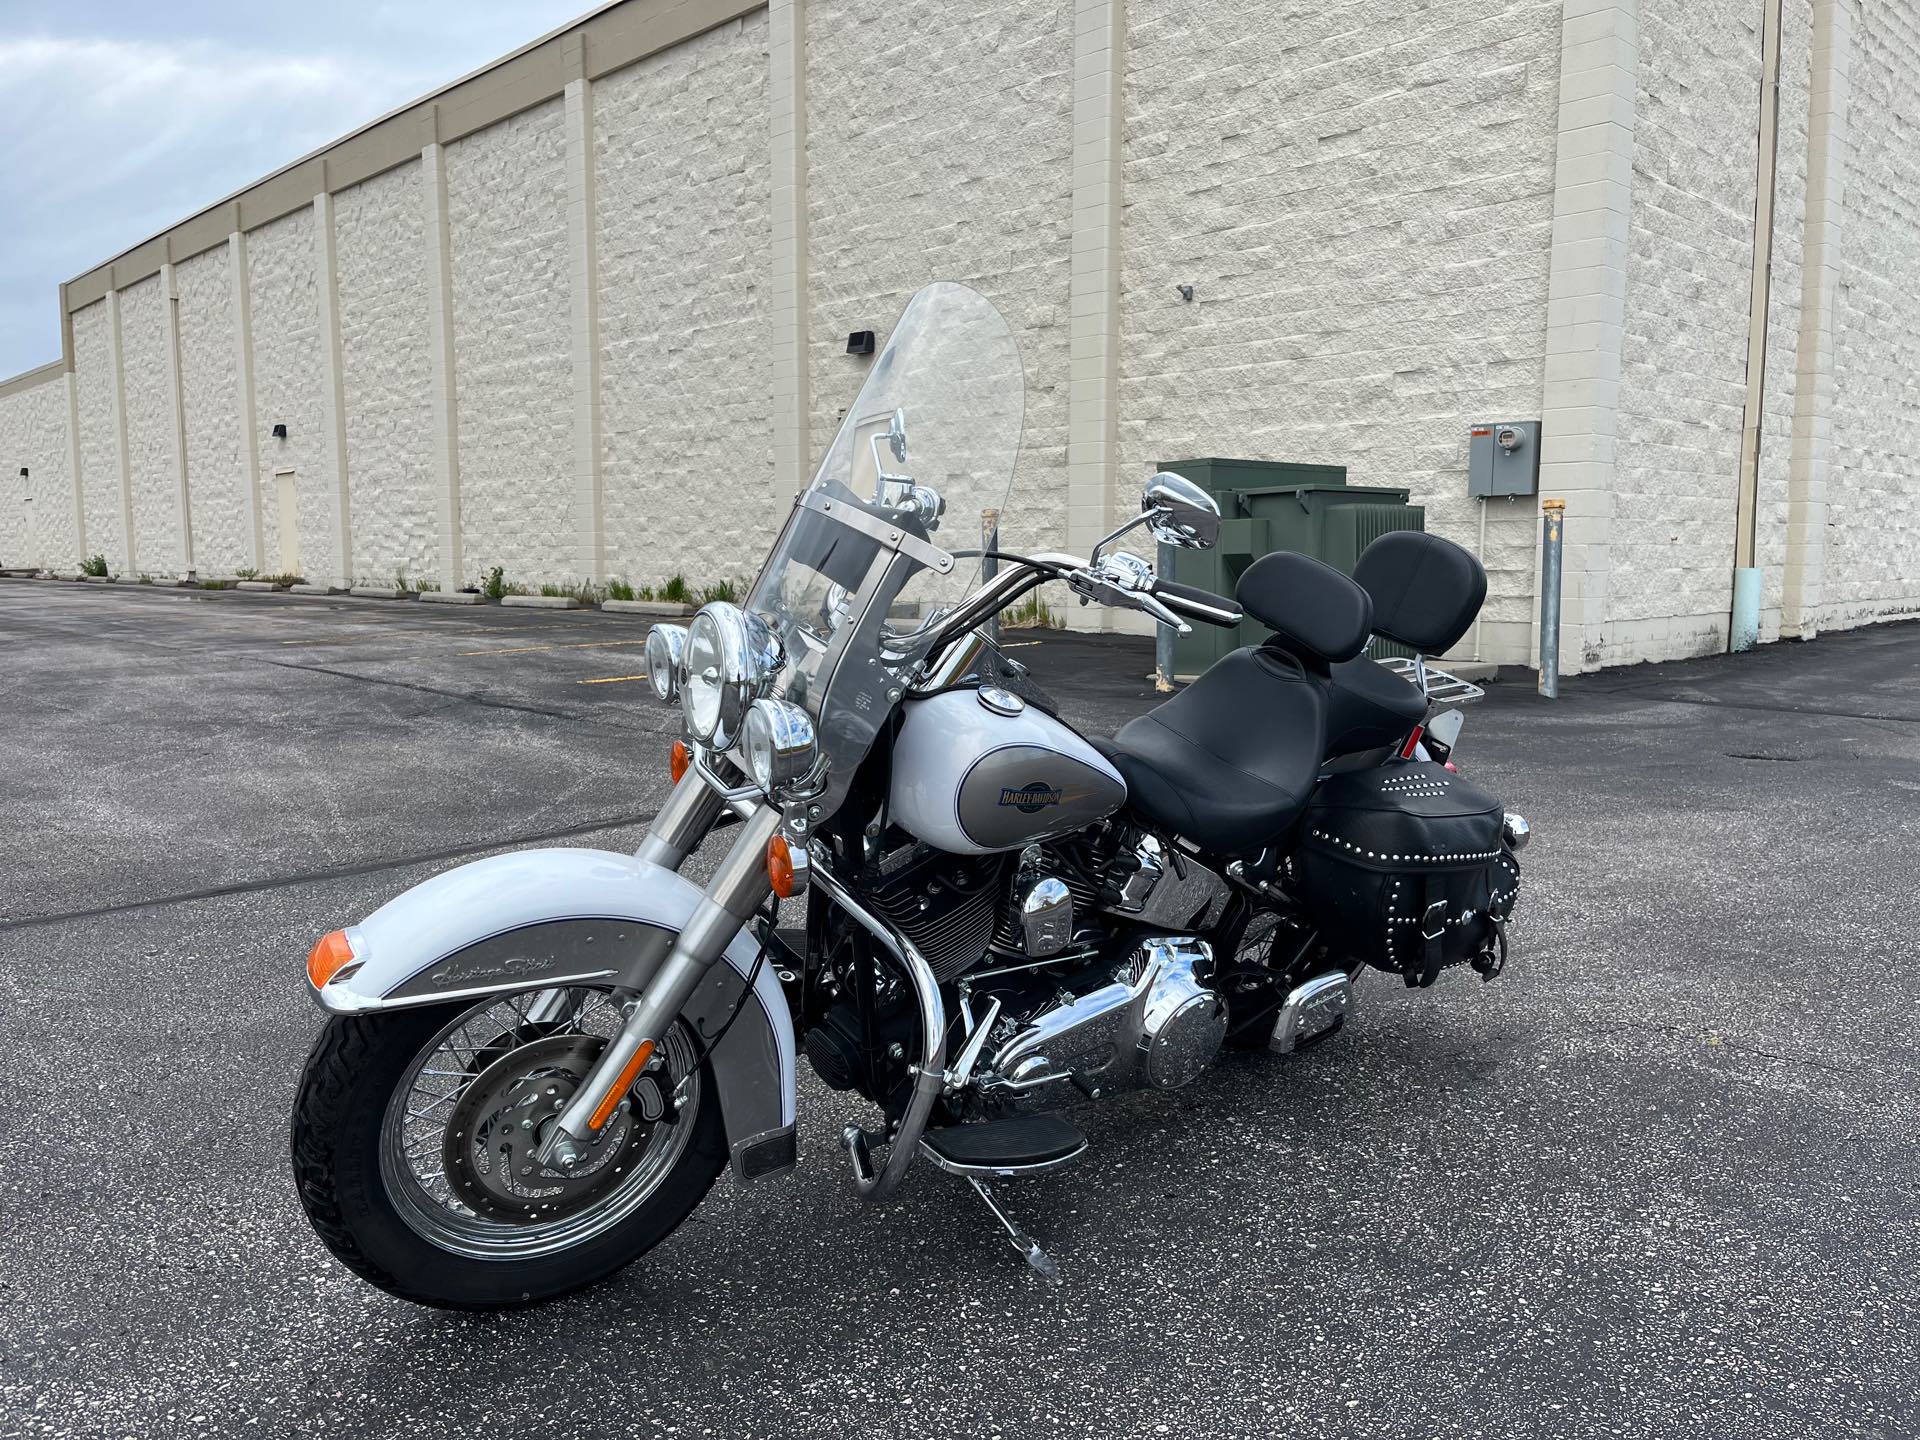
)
(535, 1065)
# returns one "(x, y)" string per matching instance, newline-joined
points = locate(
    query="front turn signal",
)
(629, 1073)
(786, 867)
(678, 759)
(328, 958)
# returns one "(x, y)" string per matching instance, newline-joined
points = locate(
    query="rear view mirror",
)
(1179, 512)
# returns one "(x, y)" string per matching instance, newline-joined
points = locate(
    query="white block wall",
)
(506, 213)
(156, 498)
(286, 386)
(99, 455)
(383, 339)
(1873, 514)
(680, 139)
(210, 408)
(651, 283)
(1684, 361)
(1361, 196)
(33, 433)
(942, 149)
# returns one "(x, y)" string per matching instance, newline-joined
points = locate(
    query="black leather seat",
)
(1425, 593)
(1230, 761)
(1369, 706)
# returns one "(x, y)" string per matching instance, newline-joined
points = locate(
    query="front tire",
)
(380, 1221)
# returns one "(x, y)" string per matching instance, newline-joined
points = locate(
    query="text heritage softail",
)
(538, 1063)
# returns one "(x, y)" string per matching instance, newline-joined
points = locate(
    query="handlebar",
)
(1197, 604)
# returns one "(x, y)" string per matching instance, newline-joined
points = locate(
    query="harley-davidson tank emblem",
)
(1031, 799)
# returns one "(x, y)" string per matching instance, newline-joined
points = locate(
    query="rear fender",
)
(535, 919)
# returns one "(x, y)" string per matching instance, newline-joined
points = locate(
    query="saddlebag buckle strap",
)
(1433, 929)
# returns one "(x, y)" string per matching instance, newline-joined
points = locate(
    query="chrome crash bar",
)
(928, 1077)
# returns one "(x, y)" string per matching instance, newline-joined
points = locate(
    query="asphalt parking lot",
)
(1660, 1179)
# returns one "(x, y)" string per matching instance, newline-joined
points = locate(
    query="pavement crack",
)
(434, 691)
(333, 872)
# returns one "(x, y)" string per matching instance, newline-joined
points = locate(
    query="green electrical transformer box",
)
(1268, 505)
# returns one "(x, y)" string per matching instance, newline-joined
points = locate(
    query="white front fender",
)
(536, 919)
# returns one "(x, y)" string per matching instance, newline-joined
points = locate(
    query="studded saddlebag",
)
(1403, 866)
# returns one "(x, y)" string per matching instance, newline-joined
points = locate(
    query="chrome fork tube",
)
(683, 822)
(737, 889)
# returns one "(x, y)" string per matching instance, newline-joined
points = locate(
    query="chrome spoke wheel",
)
(458, 1141)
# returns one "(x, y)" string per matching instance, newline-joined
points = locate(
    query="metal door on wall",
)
(287, 509)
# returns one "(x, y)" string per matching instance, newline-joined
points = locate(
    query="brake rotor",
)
(505, 1113)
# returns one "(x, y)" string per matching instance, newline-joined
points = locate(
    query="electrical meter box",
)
(1503, 458)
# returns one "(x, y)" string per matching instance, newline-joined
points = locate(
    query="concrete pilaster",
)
(1586, 304)
(1810, 464)
(583, 284)
(333, 404)
(73, 473)
(243, 394)
(787, 138)
(129, 550)
(443, 401)
(1093, 325)
(176, 411)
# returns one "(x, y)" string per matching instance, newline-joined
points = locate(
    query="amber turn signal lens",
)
(328, 958)
(604, 1111)
(780, 867)
(679, 760)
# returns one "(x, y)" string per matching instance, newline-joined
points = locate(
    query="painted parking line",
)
(569, 645)
(610, 680)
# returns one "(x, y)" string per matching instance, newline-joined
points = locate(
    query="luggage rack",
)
(1439, 686)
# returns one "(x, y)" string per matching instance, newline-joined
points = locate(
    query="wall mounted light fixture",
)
(279, 432)
(860, 342)
(23, 472)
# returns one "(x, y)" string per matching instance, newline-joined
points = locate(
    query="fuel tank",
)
(978, 771)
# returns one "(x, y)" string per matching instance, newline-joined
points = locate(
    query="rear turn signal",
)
(679, 759)
(328, 958)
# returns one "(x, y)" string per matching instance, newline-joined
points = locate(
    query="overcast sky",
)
(120, 117)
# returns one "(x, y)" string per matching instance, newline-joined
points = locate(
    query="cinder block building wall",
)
(583, 315)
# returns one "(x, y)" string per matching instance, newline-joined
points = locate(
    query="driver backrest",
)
(1425, 590)
(1316, 613)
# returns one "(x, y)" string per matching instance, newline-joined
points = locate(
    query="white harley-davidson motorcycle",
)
(536, 1064)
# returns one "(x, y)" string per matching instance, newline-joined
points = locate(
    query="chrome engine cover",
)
(1158, 1024)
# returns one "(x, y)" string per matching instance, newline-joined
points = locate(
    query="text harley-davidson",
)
(537, 1064)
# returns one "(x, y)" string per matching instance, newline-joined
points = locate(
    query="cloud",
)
(107, 139)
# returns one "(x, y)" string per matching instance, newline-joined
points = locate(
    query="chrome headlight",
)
(779, 743)
(666, 648)
(730, 659)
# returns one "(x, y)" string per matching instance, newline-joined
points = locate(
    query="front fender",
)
(535, 919)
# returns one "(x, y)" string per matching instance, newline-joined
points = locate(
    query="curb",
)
(380, 592)
(258, 585)
(540, 602)
(662, 608)
(98, 579)
(304, 589)
(452, 597)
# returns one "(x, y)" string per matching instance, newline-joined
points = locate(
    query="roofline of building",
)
(606, 39)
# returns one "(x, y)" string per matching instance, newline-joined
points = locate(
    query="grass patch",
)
(94, 565)
(620, 590)
(1032, 613)
(217, 584)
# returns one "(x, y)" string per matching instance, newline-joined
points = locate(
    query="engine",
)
(1155, 1023)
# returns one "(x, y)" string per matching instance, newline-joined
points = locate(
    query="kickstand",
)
(1028, 1247)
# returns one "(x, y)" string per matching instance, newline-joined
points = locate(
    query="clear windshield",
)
(922, 457)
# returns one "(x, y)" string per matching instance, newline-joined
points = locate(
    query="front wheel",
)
(413, 1141)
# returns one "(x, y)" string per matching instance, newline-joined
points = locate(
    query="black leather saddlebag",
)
(1403, 866)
